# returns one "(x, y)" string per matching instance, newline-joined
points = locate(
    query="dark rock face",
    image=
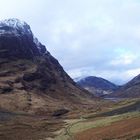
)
(5, 89)
(18, 41)
(60, 112)
(32, 76)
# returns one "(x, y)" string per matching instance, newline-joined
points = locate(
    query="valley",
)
(105, 125)
(111, 122)
(40, 101)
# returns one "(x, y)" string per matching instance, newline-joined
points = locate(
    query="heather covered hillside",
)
(69, 70)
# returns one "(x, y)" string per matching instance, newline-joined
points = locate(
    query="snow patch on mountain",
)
(14, 26)
(17, 27)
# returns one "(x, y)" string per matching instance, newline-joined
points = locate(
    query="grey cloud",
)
(88, 37)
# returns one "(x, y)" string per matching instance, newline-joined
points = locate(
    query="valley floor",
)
(128, 129)
(120, 121)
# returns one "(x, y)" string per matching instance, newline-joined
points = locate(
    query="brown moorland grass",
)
(128, 129)
(29, 128)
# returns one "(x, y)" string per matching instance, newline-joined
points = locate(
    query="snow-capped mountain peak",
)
(21, 32)
(15, 26)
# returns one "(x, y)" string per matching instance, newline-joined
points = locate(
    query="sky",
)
(88, 37)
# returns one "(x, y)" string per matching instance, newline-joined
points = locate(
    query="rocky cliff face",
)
(18, 41)
(31, 79)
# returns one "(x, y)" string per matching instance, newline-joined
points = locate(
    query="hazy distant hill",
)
(98, 86)
(129, 90)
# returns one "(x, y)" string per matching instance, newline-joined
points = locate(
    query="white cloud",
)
(124, 59)
(88, 37)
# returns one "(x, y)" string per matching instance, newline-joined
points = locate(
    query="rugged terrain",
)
(39, 101)
(97, 86)
(31, 79)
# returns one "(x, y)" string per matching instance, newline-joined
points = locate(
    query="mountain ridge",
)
(31, 79)
(129, 90)
(97, 85)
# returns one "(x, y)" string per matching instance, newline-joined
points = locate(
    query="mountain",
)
(129, 90)
(31, 79)
(98, 86)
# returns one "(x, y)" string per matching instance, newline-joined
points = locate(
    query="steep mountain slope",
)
(31, 79)
(98, 86)
(129, 90)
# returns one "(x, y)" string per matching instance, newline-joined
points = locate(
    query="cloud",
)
(125, 58)
(88, 37)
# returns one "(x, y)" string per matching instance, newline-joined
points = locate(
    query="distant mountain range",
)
(103, 88)
(129, 90)
(97, 86)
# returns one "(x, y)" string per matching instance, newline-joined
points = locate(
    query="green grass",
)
(81, 126)
(119, 108)
(95, 120)
(135, 138)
